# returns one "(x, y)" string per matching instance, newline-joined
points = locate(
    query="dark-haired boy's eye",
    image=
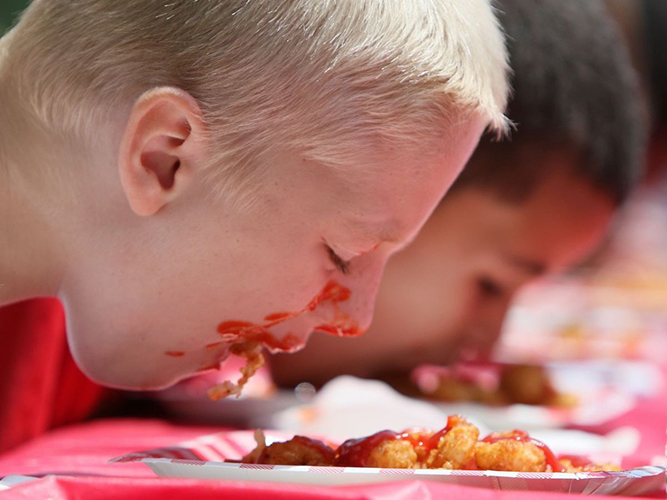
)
(342, 265)
(489, 287)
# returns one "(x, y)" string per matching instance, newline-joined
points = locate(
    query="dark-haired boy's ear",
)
(162, 146)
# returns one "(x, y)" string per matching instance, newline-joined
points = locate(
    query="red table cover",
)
(36, 400)
(40, 385)
(79, 455)
(176, 489)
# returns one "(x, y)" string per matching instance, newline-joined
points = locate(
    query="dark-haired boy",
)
(521, 209)
(190, 177)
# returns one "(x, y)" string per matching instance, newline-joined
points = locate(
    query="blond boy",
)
(188, 175)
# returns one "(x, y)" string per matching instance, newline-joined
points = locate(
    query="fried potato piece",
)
(384, 449)
(456, 448)
(526, 384)
(395, 454)
(587, 467)
(299, 450)
(564, 400)
(531, 385)
(510, 455)
(451, 389)
(252, 352)
(253, 456)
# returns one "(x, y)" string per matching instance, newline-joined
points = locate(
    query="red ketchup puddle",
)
(356, 452)
(523, 437)
(245, 331)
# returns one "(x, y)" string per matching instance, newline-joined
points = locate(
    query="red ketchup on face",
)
(342, 325)
(245, 331)
(523, 437)
(175, 354)
(332, 292)
(343, 330)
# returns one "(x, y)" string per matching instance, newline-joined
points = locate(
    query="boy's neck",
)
(28, 267)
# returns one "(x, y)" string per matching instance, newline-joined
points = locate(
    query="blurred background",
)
(9, 11)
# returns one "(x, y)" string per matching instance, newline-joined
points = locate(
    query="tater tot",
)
(396, 454)
(455, 448)
(510, 455)
(299, 450)
(587, 466)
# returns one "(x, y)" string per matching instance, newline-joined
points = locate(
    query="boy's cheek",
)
(135, 329)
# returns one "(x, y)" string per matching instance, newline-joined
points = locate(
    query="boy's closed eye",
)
(342, 265)
(489, 287)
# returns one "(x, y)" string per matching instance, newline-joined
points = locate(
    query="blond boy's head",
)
(327, 79)
(265, 148)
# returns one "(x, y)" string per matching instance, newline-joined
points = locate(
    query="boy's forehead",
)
(378, 225)
(391, 207)
(392, 197)
(532, 236)
(561, 223)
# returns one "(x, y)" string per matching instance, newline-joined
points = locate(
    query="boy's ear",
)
(162, 146)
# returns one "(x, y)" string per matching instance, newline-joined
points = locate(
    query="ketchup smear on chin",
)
(245, 331)
(523, 437)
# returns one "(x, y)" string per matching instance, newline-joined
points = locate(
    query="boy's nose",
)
(486, 330)
(364, 282)
(352, 316)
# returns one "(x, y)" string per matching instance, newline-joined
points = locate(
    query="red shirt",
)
(40, 385)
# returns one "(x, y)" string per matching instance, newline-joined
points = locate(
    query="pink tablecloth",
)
(76, 458)
(179, 489)
(649, 417)
(79, 456)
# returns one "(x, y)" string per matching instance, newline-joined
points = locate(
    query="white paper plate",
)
(202, 458)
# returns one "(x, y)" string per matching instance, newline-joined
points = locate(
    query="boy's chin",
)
(153, 374)
(135, 379)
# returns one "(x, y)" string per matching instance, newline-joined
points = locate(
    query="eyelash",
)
(489, 287)
(342, 265)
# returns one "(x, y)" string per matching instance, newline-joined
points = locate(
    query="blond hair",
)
(326, 78)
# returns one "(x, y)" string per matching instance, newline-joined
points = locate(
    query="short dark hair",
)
(574, 86)
(655, 20)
